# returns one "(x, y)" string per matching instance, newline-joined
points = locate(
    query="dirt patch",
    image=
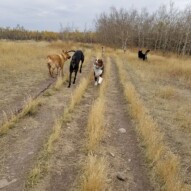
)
(128, 168)
(20, 147)
(66, 163)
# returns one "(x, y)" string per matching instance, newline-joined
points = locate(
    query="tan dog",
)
(56, 61)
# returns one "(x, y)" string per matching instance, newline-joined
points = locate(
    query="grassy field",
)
(163, 84)
(24, 69)
(158, 101)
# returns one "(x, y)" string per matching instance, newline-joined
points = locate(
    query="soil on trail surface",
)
(65, 164)
(20, 147)
(127, 171)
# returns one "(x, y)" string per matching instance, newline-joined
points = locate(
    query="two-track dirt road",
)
(19, 149)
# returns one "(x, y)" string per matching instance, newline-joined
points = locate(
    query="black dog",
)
(142, 55)
(74, 64)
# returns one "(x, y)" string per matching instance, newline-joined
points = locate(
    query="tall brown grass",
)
(95, 174)
(166, 165)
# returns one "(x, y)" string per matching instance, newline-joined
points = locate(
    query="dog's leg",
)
(76, 71)
(49, 69)
(81, 68)
(62, 73)
(56, 71)
(96, 79)
(52, 72)
(70, 77)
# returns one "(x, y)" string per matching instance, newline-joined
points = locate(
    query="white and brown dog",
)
(98, 67)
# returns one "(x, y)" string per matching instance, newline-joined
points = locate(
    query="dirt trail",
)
(20, 147)
(65, 165)
(121, 144)
(124, 154)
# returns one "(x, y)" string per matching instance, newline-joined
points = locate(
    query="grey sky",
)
(51, 14)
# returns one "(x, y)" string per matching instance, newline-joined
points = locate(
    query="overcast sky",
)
(79, 14)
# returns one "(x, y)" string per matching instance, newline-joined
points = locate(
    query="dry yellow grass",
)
(166, 165)
(182, 118)
(30, 108)
(164, 67)
(95, 175)
(23, 70)
(41, 165)
(54, 135)
(78, 93)
(95, 126)
(166, 92)
(153, 80)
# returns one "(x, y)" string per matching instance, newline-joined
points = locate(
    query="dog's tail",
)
(147, 51)
(71, 51)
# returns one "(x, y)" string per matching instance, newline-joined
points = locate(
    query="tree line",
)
(20, 33)
(167, 29)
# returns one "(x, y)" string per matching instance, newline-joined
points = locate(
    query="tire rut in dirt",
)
(65, 165)
(125, 156)
(26, 139)
(19, 148)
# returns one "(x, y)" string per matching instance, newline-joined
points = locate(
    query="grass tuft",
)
(166, 92)
(95, 177)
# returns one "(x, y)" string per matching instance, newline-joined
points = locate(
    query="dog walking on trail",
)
(98, 67)
(74, 64)
(56, 61)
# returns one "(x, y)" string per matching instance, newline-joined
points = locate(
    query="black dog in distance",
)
(142, 55)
